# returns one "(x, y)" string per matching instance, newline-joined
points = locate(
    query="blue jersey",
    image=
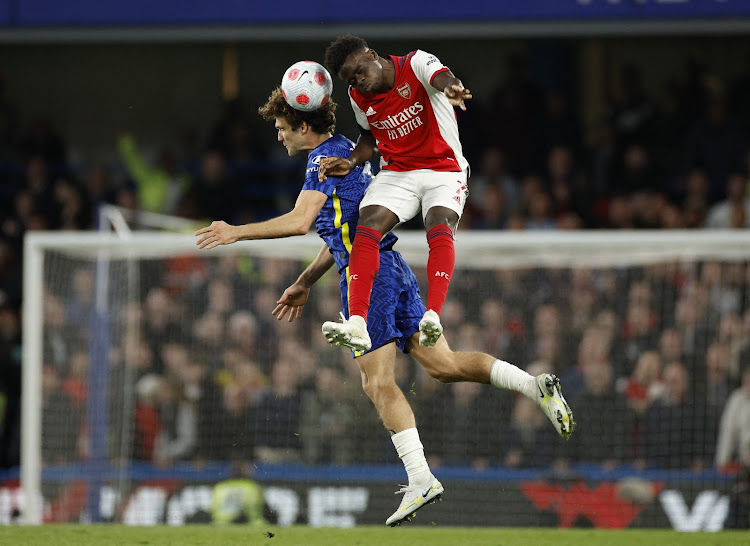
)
(336, 222)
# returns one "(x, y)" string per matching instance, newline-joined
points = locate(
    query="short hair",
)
(340, 49)
(322, 120)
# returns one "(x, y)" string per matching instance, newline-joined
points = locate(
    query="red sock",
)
(364, 263)
(440, 264)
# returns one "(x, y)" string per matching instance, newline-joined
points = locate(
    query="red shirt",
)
(414, 124)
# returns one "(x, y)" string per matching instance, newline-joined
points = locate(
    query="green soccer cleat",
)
(552, 402)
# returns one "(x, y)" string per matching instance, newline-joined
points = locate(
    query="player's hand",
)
(218, 233)
(333, 166)
(457, 94)
(292, 301)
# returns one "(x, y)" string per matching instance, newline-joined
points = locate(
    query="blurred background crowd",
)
(661, 352)
(654, 361)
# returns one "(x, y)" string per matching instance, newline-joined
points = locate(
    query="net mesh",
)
(164, 373)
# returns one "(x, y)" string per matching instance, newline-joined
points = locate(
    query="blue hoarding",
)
(46, 13)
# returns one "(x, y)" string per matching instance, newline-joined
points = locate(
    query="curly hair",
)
(340, 49)
(322, 120)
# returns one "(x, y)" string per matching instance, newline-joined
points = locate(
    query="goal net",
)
(153, 372)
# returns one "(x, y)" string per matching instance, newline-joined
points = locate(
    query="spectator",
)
(733, 442)
(713, 382)
(160, 323)
(160, 187)
(326, 422)
(277, 417)
(602, 413)
(734, 210)
(147, 418)
(225, 417)
(644, 385)
(640, 333)
(670, 345)
(214, 192)
(75, 384)
(494, 193)
(177, 437)
(61, 418)
(669, 439)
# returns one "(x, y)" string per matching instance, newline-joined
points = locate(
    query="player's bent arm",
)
(313, 272)
(445, 79)
(365, 148)
(452, 87)
(293, 300)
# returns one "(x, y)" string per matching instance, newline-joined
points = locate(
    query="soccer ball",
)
(306, 85)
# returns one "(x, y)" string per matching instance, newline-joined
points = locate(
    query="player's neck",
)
(389, 72)
(319, 139)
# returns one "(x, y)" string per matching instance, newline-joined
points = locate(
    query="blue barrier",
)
(217, 471)
(32, 13)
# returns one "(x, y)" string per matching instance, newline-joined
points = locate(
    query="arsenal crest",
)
(404, 90)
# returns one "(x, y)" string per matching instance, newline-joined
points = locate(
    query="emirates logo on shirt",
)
(400, 124)
(404, 90)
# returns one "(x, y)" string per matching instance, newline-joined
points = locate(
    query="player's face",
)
(364, 71)
(293, 140)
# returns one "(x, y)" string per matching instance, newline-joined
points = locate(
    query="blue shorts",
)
(395, 304)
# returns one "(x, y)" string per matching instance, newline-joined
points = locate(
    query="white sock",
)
(411, 451)
(505, 375)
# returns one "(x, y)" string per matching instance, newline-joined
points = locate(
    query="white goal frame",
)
(479, 250)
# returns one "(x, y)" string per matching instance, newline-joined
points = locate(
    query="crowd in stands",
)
(653, 359)
(655, 365)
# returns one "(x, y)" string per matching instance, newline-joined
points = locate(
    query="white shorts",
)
(403, 193)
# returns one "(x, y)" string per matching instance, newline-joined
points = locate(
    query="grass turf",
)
(271, 535)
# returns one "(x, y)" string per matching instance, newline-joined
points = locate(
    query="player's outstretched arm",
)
(295, 222)
(453, 88)
(293, 300)
(218, 233)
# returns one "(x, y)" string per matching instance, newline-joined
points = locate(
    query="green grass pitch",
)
(271, 535)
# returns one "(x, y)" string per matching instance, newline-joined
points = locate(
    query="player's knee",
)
(441, 216)
(375, 386)
(378, 218)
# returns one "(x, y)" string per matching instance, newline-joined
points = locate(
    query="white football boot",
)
(415, 498)
(550, 399)
(350, 333)
(430, 329)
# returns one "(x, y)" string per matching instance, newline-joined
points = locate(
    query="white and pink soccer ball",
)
(306, 85)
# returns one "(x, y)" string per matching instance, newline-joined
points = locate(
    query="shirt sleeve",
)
(426, 66)
(311, 177)
(359, 115)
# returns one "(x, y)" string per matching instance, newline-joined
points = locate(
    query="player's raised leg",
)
(379, 382)
(449, 367)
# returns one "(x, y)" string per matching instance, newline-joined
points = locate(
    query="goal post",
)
(96, 451)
